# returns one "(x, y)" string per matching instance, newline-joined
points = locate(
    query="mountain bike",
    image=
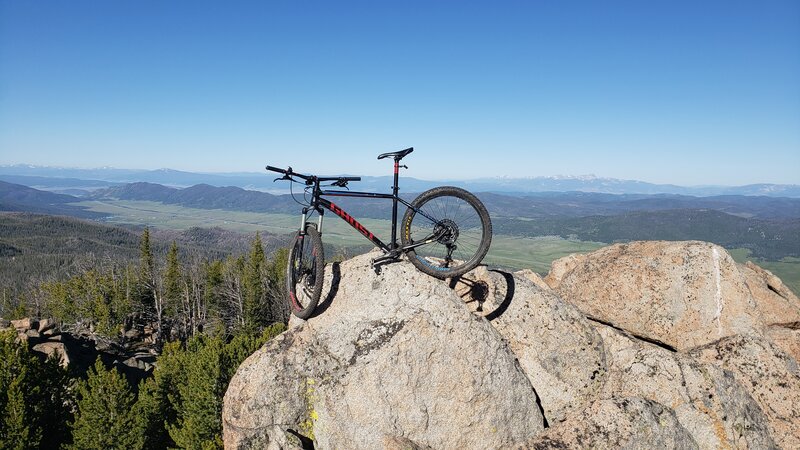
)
(446, 231)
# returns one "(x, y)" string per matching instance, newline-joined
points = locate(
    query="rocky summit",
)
(640, 345)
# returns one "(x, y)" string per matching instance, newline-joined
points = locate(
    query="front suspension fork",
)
(304, 217)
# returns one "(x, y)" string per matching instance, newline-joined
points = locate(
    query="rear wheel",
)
(304, 273)
(452, 228)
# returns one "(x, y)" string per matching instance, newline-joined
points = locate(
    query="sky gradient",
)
(687, 93)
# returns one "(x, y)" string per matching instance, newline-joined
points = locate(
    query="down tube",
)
(336, 209)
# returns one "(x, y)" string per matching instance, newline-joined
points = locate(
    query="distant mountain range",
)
(768, 226)
(82, 181)
(15, 197)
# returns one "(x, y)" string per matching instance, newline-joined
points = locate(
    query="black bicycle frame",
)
(318, 203)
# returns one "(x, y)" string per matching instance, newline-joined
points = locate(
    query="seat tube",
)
(395, 190)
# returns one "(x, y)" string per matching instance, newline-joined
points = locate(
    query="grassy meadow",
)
(506, 251)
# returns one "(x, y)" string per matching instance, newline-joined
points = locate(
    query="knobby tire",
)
(305, 272)
(467, 237)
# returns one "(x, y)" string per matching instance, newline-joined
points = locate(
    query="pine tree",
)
(208, 366)
(173, 288)
(15, 432)
(97, 293)
(212, 298)
(199, 424)
(121, 300)
(159, 397)
(146, 262)
(276, 306)
(105, 417)
(91, 295)
(34, 398)
(53, 401)
(148, 413)
(254, 286)
(145, 287)
(150, 292)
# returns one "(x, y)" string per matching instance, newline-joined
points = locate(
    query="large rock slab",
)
(561, 267)
(771, 376)
(558, 349)
(394, 355)
(631, 423)
(775, 302)
(777, 306)
(533, 277)
(56, 350)
(683, 294)
(674, 354)
(716, 410)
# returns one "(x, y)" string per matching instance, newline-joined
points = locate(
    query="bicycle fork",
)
(304, 217)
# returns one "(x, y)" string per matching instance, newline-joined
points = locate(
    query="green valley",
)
(513, 250)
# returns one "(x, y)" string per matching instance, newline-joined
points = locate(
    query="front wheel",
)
(449, 230)
(304, 272)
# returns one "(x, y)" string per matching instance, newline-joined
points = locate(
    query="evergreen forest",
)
(202, 317)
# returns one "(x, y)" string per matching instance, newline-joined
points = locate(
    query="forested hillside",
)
(36, 248)
(768, 239)
(45, 406)
(199, 314)
(16, 197)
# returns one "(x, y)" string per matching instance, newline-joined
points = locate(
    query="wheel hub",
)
(447, 230)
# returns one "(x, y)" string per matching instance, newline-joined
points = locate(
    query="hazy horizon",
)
(685, 93)
(588, 176)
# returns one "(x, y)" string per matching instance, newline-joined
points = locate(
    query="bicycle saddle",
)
(398, 155)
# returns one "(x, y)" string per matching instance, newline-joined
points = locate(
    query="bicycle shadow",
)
(486, 292)
(333, 289)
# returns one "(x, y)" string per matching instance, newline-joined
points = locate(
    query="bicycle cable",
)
(291, 192)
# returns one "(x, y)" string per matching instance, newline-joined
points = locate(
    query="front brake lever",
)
(286, 176)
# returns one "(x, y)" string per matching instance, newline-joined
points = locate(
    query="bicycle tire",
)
(466, 240)
(305, 272)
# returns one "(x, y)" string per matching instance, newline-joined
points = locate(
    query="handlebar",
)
(275, 169)
(288, 173)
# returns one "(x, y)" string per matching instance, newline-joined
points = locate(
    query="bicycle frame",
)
(319, 204)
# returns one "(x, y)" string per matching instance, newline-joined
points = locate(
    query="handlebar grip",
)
(351, 178)
(275, 169)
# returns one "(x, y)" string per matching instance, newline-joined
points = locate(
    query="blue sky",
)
(663, 91)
